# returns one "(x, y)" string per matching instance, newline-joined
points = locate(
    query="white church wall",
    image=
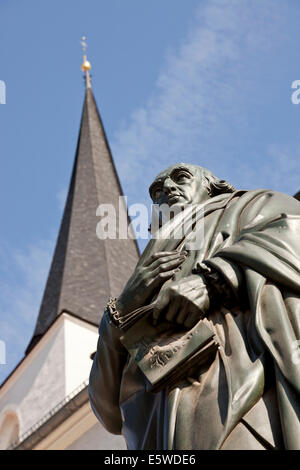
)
(80, 342)
(81, 431)
(97, 438)
(56, 366)
(38, 384)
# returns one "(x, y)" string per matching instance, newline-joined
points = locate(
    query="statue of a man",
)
(244, 280)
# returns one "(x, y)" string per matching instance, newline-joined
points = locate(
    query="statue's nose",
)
(169, 186)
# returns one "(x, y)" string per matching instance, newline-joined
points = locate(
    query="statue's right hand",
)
(147, 277)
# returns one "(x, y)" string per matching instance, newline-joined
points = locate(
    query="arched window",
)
(9, 429)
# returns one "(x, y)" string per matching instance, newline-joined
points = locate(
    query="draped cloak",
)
(248, 395)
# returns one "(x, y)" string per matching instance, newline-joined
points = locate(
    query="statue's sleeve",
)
(106, 375)
(266, 250)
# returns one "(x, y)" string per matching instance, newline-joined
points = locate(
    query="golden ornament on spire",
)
(86, 65)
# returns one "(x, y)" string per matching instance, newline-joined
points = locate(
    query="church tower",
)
(44, 402)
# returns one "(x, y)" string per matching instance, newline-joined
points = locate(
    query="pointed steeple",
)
(85, 270)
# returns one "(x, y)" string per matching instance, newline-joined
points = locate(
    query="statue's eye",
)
(156, 193)
(181, 176)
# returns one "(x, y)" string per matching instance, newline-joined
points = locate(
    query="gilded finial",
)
(86, 65)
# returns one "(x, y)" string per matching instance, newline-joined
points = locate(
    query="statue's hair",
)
(214, 185)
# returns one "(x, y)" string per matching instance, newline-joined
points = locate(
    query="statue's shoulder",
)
(265, 194)
(268, 201)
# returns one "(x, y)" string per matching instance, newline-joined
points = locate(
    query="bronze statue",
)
(215, 364)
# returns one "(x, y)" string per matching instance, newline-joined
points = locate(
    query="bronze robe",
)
(248, 396)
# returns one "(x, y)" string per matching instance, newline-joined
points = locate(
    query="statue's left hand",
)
(184, 301)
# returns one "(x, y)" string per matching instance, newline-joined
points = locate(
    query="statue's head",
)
(184, 183)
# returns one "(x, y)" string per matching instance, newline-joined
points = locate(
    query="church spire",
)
(85, 270)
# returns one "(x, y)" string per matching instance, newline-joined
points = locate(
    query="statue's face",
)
(179, 184)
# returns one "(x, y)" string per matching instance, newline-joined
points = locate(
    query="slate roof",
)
(86, 271)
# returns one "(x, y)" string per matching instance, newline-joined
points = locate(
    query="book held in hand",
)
(165, 353)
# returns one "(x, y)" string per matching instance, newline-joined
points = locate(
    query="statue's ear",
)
(207, 184)
(217, 187)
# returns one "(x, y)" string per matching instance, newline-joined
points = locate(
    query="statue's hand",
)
(184, 301)
(147, 278)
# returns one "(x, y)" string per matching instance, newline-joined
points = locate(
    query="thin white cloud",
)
(201, 95)
(23, 276)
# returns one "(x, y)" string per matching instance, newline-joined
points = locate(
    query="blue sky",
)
(201, 81)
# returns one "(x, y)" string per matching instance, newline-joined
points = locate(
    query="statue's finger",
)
(163, 276)
(158, 255)
(192, 318)
(155, 316)
(165, 259)
(168, 266)
(172, 310)
(183, 312)
(161, 302)
(164, 254)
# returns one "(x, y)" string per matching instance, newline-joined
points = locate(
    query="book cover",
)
(165, 353)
